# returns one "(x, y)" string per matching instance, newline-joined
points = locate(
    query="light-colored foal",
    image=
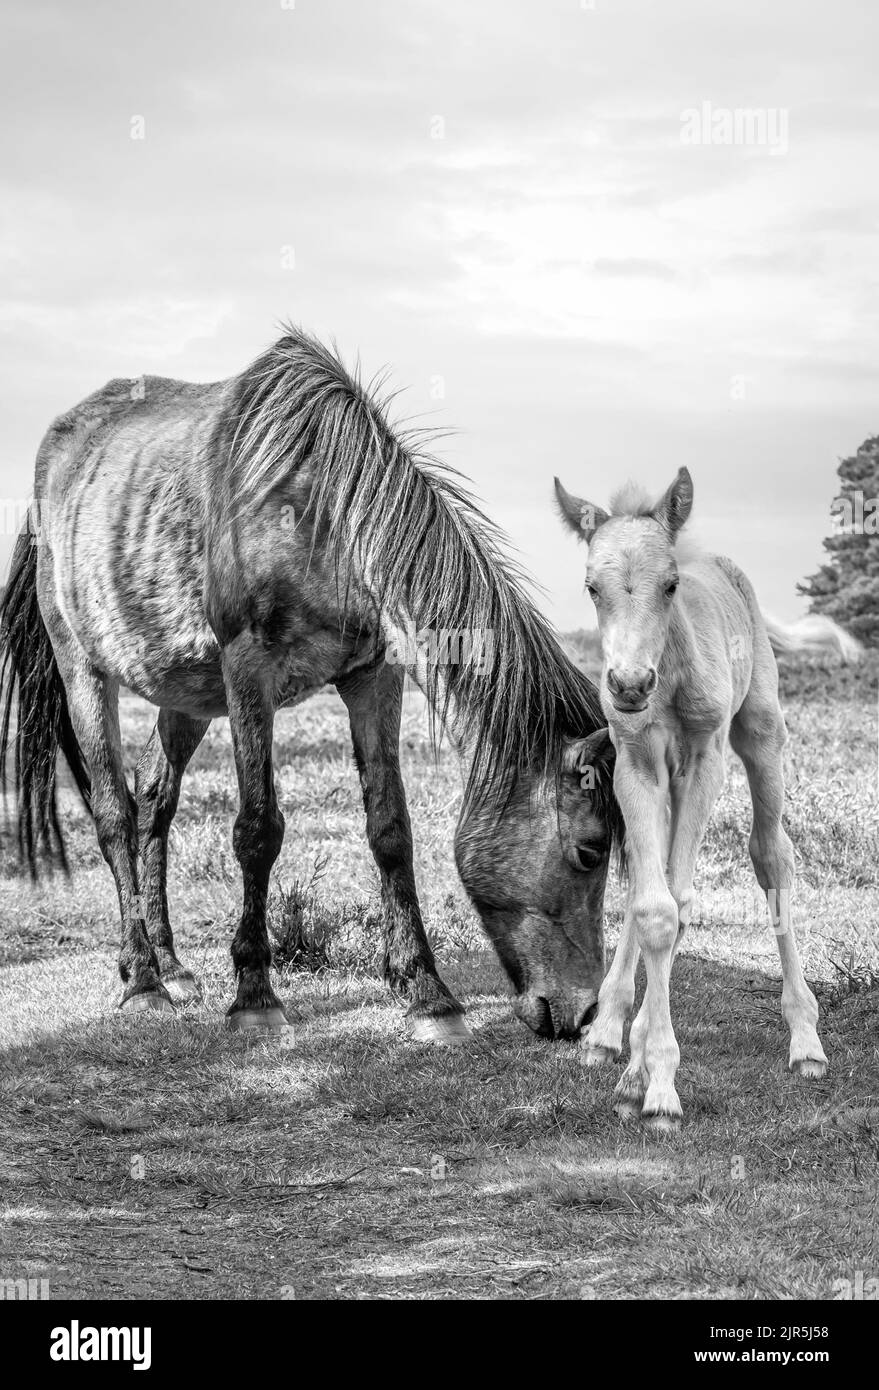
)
(687, 663)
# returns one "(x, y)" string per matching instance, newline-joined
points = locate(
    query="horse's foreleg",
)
(258, 833)
(157, 789)
(94, 713)
(374, 702)
(758, 736)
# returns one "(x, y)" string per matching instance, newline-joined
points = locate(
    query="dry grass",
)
(317, 1168)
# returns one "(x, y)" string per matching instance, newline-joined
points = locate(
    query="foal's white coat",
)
(687, 664)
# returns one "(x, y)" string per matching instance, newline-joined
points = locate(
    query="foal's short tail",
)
(32, 690)
(811, 636)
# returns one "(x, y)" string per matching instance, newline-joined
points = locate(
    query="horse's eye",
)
(589, 856)
(671, 588)
(592, 592)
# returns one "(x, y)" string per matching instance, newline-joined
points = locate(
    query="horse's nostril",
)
(650, 682)
(612, 681)
(589, 1015)
(543, 1024)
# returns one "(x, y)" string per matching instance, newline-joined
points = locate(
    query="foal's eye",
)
(592, 592)
(671, 588)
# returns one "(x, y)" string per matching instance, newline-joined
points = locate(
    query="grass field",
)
(151, 1158)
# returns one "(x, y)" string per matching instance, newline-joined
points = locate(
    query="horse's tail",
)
(31, 687)
(811, 636)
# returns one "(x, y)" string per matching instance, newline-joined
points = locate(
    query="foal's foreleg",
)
(692, 799)
(157, 789)
(652, 914)
(258, 832)
(374, 701)
(759, 742)
(604, 1040)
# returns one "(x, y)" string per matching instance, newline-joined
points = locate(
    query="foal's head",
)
(632, 578)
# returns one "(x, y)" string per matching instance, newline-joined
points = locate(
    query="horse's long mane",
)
(427, 552)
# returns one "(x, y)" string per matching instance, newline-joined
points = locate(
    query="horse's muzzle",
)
(555, 1018)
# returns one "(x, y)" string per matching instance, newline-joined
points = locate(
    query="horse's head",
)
(632, 578)
(536, 873)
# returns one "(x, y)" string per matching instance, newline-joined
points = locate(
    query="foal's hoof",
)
(810, 1068)
(183, 988)
(661, 1124)
(147, 1003)
(597, 1056)
(275, 1020)
(449, 1030)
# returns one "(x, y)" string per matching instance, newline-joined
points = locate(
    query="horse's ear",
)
(581, 516)
(589, 757)
(673, 508)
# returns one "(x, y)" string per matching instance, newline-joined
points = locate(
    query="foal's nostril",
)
(649, 683)
(613, 684)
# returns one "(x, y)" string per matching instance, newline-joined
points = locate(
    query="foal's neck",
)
(680, 658)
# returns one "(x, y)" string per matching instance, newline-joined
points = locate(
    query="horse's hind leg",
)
(157, 788)
(94, 712)
(258, 833)
(758, 736)
(374, 700)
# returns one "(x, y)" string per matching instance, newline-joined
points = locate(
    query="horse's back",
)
(121, 487)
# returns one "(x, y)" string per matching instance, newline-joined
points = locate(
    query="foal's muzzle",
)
(630, 689)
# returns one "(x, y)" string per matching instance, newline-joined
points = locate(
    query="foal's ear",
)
(675, 505)
(581, 516)
(589, 757)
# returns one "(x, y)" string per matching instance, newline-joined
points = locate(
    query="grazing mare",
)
(230, 548)
(687, 663)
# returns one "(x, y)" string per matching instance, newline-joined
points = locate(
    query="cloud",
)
(495, 197)
(634, 267)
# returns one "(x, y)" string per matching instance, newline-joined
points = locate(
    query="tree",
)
(847, 587)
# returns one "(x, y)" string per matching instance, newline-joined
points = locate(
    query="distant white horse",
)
(688, 661)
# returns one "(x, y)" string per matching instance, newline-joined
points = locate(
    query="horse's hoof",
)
(183, 988)
(628, 1109)
(810, 1068)
(275, 1020)
(592, 1056)
(662, 1124)
(148, 1003)
(449, 1030)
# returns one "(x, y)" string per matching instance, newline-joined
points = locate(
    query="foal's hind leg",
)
(758, 735)
(374, 700)
(258, 833)
(157, 789)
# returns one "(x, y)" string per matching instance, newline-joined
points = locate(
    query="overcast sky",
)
(497, 200)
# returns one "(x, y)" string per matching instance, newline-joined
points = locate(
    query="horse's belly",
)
(132, 596)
